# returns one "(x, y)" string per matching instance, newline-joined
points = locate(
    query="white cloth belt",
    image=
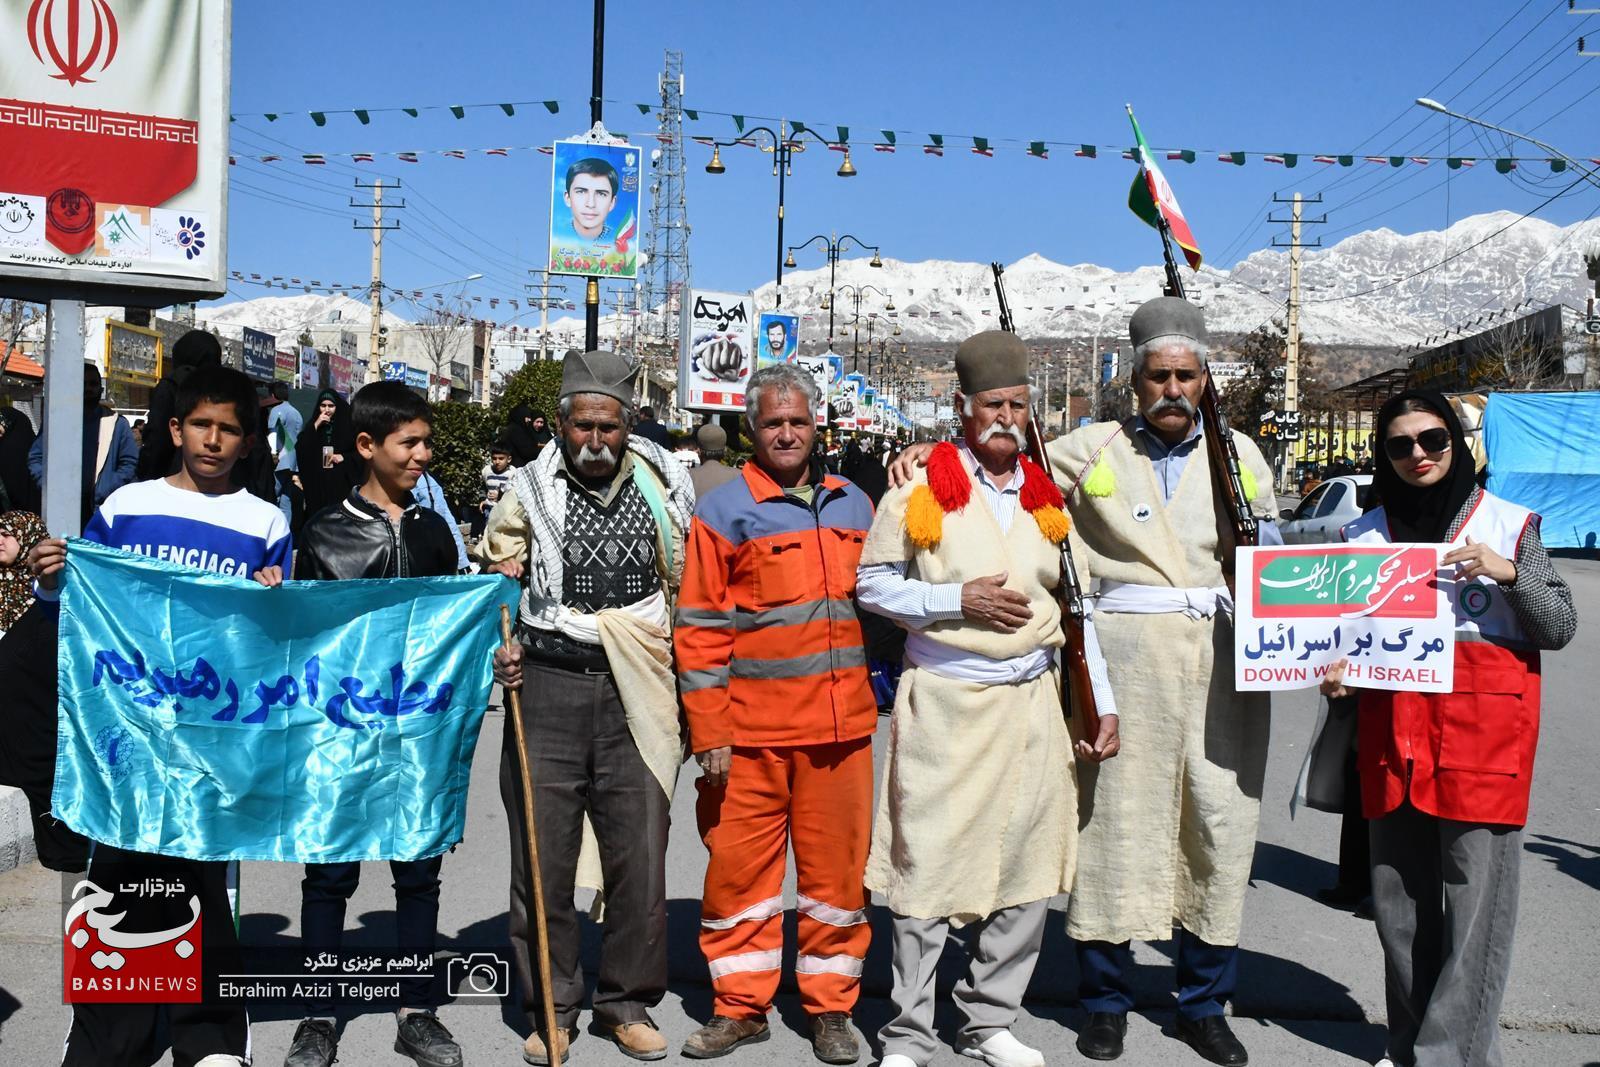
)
(924, 652)
(584, 626)
(1197, 603)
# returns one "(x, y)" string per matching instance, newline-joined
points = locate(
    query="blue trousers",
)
(1207, 976)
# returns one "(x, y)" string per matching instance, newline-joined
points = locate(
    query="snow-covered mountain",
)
(1373, 289)
(286, 316)
(1499, 262)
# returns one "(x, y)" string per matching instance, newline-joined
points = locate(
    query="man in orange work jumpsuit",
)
(773, 672)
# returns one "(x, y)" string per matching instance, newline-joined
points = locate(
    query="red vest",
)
(1466, 755)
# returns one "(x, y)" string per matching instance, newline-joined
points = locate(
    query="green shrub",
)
(535, 384)
(462, 434)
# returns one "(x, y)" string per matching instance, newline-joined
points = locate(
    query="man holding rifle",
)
(977, 821)
(1169, 828)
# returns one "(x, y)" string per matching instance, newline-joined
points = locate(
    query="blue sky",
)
(1258, 77)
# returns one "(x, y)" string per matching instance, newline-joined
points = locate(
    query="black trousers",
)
(124, 1035)
(584, 761)
(327, 888)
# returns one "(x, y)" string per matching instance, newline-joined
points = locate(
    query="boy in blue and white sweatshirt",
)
(195, 518)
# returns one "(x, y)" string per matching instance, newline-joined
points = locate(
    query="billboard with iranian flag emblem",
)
(114, 122)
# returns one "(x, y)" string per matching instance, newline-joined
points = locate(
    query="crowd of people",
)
(734, 614)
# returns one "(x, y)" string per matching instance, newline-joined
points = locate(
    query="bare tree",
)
(15, 317)
(444, 331)
(1519, 357)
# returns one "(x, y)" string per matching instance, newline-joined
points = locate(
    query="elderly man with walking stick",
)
(594, 528)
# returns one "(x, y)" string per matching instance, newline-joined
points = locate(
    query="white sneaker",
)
(1385, 1062)
(219, 1059)
(1002, 1050)
(894, 1059)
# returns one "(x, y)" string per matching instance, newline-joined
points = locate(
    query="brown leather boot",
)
(722, 1035)
(535, 1052)
(641, 1040)
(831, 1038)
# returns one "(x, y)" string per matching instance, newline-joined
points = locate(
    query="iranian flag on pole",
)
(1151, 198)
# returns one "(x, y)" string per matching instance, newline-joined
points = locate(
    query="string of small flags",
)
(981, 147)
(838, 138)
(316, 285)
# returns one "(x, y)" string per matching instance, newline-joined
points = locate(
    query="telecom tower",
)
(665, 275)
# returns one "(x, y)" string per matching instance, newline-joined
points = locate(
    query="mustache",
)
(584, 455)
(1181, 403)
(1015, 433)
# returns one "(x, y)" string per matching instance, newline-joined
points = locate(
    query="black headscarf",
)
(1422, 514)
(328, 485)
(524, 442)
(20, 490)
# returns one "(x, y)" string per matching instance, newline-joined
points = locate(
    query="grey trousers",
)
(584, 761)
(1445, 897)
(1004, 948)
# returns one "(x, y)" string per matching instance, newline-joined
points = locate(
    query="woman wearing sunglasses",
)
(1445, 776)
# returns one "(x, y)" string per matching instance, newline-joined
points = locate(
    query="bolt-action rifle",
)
(1076, 690)
(1225, 470)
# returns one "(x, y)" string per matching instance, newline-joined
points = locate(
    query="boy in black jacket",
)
(379, 531)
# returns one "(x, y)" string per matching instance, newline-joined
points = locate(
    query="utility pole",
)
(1291, 370)
(591, 295)
(377, 335)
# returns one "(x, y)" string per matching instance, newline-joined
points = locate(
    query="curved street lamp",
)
(785, 142)
(835, 245)
(857, 292)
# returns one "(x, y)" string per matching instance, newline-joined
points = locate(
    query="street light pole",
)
(833, 246)
(591, 295)
(1588, 173)
(784, 145)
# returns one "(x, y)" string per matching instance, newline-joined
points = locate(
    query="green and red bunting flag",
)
(406, 157)
(1037, 150)
(1152, 199)
(883, 147)
(313, 159)
(1086, 151)
(361, 157)
(935, 145)
(455, 153)
(980, 147)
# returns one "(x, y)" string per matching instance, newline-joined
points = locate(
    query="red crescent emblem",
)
(78, 60)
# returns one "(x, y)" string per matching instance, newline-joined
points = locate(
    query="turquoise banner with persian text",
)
(213, 718)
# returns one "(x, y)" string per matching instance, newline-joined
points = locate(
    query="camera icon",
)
(482, 974)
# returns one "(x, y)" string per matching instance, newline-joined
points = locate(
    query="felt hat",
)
(600, 372)
(994, 359)
(711, 438)
(1166, 316)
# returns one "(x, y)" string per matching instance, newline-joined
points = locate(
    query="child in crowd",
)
(495, 476)
(194, 516)
(379, 531)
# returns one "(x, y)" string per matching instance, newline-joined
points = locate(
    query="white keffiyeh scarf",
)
(543, 496)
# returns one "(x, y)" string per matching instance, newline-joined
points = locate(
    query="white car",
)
(1324, 512)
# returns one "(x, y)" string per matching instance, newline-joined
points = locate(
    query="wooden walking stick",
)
(514, 702)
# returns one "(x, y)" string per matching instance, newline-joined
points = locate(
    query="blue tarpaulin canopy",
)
(1544, 453)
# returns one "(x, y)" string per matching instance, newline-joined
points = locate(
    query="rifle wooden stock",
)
(1077, 691)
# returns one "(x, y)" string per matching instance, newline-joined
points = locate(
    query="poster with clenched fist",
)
(718, 350)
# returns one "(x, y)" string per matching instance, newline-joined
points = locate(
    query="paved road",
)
(1311, 978)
